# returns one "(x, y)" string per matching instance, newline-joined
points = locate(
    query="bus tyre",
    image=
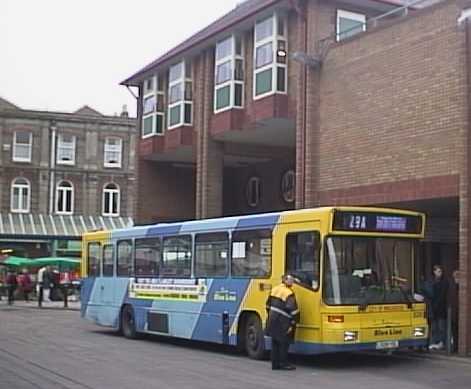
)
(128, 323)
(254, 338)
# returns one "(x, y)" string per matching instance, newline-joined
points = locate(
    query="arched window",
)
(111, 200)
(65, 198)
(20, 195)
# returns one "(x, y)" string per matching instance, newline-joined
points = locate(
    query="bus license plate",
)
(388, 344)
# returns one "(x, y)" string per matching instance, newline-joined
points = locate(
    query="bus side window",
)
(176, 257)
(108, 263)
(94, 259)
(147, 257)
(302, 257)
(124, 260)
(251, 253)
(211, 254)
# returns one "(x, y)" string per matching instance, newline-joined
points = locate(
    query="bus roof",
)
(239, 223)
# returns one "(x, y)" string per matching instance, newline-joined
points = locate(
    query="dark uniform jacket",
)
(283, 313)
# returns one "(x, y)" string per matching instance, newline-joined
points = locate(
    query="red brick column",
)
(301, 46)
(464, 230)
(209, 154)
(311, 172)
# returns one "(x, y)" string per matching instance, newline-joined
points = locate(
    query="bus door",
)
(107, 279)
(302, 260)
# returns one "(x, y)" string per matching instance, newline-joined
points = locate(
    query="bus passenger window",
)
(94, 259)
(124, 268)
(211, 254)
(108, 261)
(251, 253)
(302, 257)
(176, 258)
(147, 257)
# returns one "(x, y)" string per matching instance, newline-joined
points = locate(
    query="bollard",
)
(449, 333)
(66, 297)
(40, 296)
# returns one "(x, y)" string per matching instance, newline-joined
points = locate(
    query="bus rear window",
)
(251, 253)
(94, 259)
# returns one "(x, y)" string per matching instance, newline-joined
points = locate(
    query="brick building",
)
(62, 174)
(291, 104)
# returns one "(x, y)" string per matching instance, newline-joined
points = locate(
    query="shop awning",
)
(18, 225)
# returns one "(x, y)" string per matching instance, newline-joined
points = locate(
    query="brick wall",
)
(392, 103)
(165, 193)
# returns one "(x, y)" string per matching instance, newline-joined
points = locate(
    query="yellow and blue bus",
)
(208, 280)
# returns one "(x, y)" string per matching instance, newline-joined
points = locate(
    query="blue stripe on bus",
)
(209, 324)
(319, 348)
(262, 221)
(211, 225)
(129, 233)
(164, 229)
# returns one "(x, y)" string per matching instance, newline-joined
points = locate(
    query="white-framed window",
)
(65, 198)
(180, 99)
(20, 195)
(153, 106)
(113, 152)
(111, 200)
(22, 146)
(229, 74)
(66, 149)
(349, 24)
(270, 56)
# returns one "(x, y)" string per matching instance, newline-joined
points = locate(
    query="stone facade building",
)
(293, 104)
(62, 174)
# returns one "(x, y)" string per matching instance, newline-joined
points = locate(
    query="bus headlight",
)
(419, 332)
(350, 336)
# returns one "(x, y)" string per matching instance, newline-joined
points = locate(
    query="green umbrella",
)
(55, 261)
(17, 261)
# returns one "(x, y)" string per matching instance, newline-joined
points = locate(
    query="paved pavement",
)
(54, 348)
(72, 305)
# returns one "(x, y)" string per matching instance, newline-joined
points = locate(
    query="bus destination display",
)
(377, 222)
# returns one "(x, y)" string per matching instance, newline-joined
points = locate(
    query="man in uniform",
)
(283, 314)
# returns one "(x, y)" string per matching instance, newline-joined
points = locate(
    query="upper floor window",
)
(22, 146)
(111, 200)
(229, 74)
(180, 105)
(270, 56)
(20, 195)
(66, 149)
(113, 152)
(65, 198)
(349, 24)
(153, 109)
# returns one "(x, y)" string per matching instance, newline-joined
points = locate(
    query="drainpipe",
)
(52, 166)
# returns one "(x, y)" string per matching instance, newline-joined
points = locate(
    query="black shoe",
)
(288, 367)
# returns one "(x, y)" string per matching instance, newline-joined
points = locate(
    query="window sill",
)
(65, 163)
(21, 160)
(20, 211)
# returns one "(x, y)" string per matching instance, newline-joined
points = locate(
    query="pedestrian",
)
(283, 314)
(438, 287)
(11, 285)
(25, 283)
(453, 305)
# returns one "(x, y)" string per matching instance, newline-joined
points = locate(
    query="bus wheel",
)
(128, 324)
(254, 338)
